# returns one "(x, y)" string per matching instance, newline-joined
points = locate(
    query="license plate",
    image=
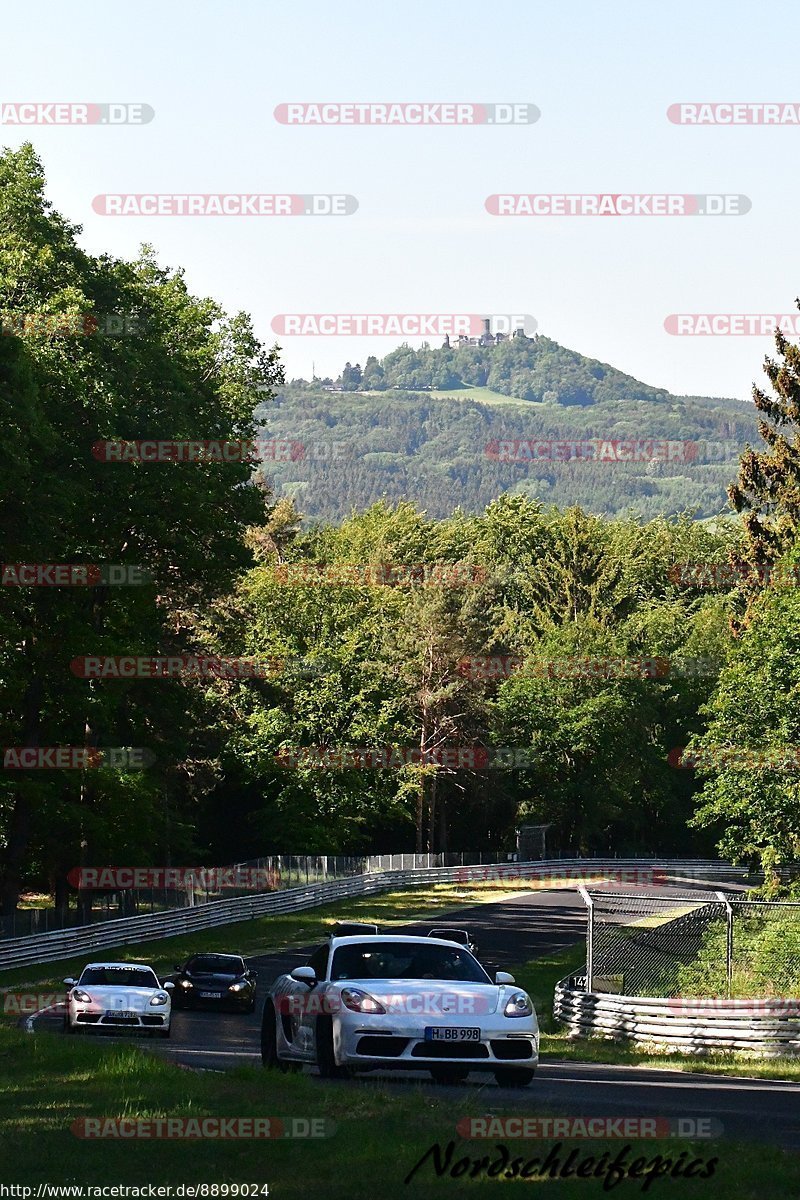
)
(124, 1013)
(451, 1033)
(211, 995)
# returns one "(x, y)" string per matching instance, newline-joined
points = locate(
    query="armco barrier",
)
(127, 931)
(767, 1027)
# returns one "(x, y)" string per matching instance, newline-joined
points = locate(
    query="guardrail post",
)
(728, 944)
(587, 900)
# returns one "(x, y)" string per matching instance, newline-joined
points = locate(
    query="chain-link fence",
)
(691, 943)
(106, 894)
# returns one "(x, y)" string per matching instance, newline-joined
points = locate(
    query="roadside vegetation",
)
(381, 1131)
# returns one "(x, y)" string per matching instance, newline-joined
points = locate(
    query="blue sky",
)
(421, 241)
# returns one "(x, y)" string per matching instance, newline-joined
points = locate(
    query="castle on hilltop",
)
(487, 338)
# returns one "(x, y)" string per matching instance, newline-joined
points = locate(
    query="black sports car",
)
(218, 980)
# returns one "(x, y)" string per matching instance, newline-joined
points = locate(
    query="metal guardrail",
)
(767, 1027)
(152, 890)
(126, 931)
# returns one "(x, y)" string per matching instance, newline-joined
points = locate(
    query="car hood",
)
(131, 999)
(430, 997)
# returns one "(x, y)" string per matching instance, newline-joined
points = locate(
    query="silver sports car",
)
(118, 995)
(367, 1002)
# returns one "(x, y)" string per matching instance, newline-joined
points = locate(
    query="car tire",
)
(164, 1033)
(269, 1038)
(68, 1026)
(514, 1077)
(449, 1075)
(326, 1060)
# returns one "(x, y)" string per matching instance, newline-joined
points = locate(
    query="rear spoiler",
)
(352, 929)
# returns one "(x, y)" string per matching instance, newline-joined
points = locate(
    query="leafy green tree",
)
(193, 373)
(748, 750)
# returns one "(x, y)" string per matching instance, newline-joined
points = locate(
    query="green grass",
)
(483, 395)
(47, 1083)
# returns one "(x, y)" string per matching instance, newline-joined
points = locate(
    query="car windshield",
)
(119, 977)
(215, 964)
(405, 960)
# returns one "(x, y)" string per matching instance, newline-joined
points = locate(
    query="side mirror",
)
(504, 977)
(69, 981)
(305, 975)
(168, 987)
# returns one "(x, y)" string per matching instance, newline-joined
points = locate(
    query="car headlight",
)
(518, 1005)
(81, 996)
(184, 983)
(159, 999)
(237, 987)
(358, 1001)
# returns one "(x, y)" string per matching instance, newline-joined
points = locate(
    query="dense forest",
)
(335, 452)
(410, 679)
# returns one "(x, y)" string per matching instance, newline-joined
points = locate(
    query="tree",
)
(748, 751)
(351, 377)
(767, 491)
(193, 373)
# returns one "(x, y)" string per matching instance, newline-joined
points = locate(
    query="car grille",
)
(381, 1046)
(512, 1048)
(450, 1050)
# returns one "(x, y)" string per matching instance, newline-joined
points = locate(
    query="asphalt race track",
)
(508, 932)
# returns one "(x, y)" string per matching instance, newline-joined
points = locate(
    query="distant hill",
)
(458, 426)
(530, 368)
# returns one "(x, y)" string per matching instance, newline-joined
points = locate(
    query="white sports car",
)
(368, 1002)
(118, 995)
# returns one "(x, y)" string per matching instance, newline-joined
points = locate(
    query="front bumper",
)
(393, 1046)
(184, 998)
(86, 1016)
